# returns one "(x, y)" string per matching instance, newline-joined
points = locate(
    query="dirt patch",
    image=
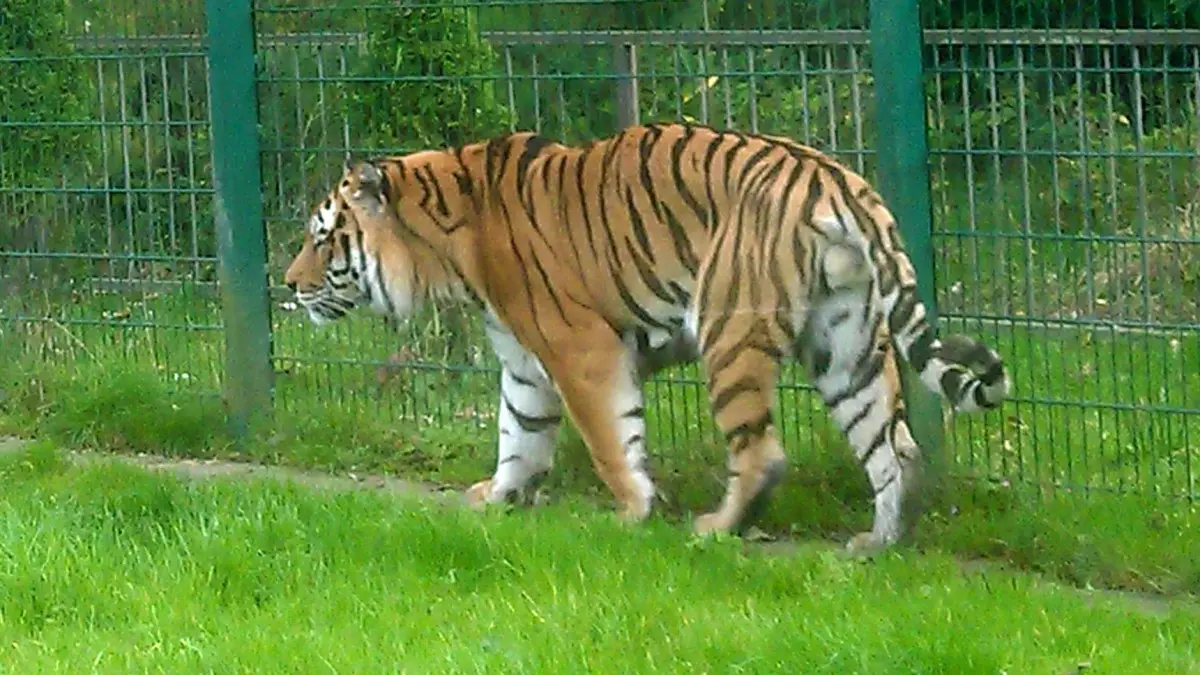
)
(199, 469)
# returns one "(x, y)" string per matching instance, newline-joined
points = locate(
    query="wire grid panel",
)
(1063, 212)
(1065, 188)
(105, 171)
(365, 83)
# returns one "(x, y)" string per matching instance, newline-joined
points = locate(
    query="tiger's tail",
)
(968, 373)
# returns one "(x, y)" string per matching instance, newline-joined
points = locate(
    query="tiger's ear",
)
(369, 176)
(348, 164)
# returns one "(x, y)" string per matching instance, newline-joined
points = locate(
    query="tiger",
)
(595, 266)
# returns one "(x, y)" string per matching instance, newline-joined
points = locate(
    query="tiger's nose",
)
(291, 286)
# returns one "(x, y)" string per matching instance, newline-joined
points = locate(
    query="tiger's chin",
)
(322, 312)
(317, 318)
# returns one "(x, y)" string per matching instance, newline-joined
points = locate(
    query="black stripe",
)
(636, 309)
(550, 290)
(385, 183)
(889, 273)
(546, 175)
(636, 412)
(383, 288)
(583, 203)
(490, 159)
(865, 374)
(782, 316)
(902, 311)
(716, 326)
(463, 177)
(645, 150)
(820, 358)
(837, 214)
(858, 417)
(522, 267)
(638, 225)
(727, 358)
(747, 384)
(530, 423)
(505, 154)
(522, 380)
(682, 296)
(888, 483)
(921, 350)
(733, 289)
(809, 208)
(683, 245)
(868, 306)
(564, 211)
(866, 224)
(754, 428)
(437, 192)
(648, 275)
(605, 226)
(533, 147)
(426, 195)
(710, 155)
(752, 162)
(878, 441)
(681, 185)
(981, 398)
(730, 154)
(952, 383)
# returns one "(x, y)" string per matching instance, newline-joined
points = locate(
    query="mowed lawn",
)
(112, 569)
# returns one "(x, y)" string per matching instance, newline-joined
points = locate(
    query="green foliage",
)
(39, 83)
(112, 568)
(437, 89)
(1045, 14)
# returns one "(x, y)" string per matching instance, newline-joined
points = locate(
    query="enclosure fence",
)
(1043, 159)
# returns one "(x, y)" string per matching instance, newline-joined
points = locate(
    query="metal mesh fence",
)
(107, 252)
(1064, 170)
(1064, 177)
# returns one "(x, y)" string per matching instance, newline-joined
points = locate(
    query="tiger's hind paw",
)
(865, 545)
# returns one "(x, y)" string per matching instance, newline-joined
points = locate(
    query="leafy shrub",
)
(39, 83)
(430, 81)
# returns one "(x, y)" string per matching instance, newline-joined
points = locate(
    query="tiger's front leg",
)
(530, 413)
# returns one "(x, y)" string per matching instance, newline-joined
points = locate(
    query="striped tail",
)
(968, 373)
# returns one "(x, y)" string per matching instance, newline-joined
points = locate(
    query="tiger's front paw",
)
(633, 514)
(712, 523)
(477, 494)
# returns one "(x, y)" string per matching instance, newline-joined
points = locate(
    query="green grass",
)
(111, 569)
(1086, 494)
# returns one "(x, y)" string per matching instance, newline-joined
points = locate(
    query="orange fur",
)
(595, 266)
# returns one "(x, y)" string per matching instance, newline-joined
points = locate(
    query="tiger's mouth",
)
(324, 306)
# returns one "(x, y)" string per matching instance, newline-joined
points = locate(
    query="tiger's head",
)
(338, 267)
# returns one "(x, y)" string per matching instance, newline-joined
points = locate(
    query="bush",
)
(442, 93)
(41, 84)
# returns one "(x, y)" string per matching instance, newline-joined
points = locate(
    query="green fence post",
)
(903, 156)
(241, 234)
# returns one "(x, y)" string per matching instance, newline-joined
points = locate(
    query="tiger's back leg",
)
(852, 362)
(742, 365)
